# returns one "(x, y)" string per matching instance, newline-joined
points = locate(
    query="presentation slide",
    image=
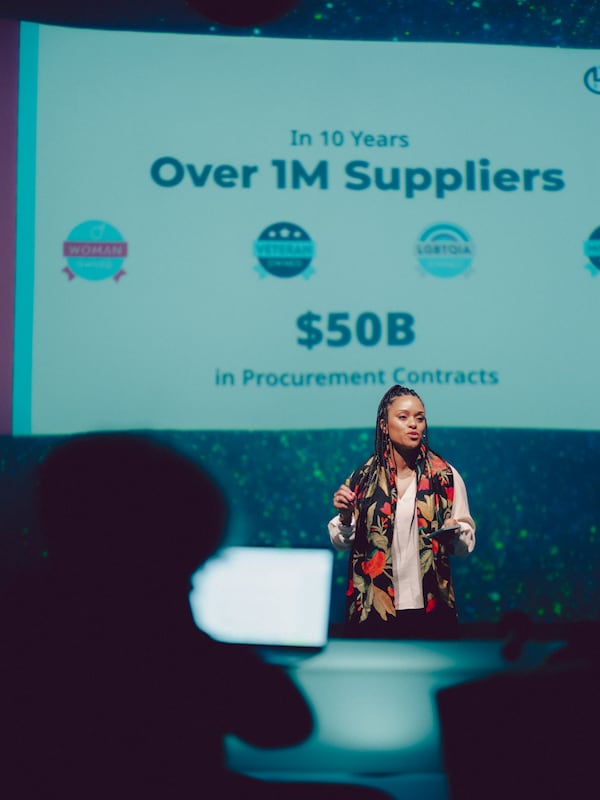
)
(238, 243)
(208, 242)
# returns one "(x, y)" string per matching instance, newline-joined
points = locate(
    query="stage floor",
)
(376, 715)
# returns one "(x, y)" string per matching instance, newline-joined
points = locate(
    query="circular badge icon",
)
(445, 250)
(591, 80)
(284, 250)
(591, 249)
(95, 251)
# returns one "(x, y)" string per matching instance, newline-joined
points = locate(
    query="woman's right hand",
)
(344, 500)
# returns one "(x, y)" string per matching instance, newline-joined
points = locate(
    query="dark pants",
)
(409, 624)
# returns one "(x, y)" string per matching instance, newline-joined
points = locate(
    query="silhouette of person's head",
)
(114, 691)
(121, 510)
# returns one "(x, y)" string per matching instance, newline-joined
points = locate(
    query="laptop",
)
(277, 599)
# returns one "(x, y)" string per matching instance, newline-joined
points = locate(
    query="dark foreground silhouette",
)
(526, 734)
(111, 691)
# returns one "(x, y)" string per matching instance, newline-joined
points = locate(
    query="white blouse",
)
(408, 585)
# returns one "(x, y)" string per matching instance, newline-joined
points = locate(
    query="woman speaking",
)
(402, 514)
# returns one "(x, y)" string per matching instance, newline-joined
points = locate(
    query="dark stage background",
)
(534, 495)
